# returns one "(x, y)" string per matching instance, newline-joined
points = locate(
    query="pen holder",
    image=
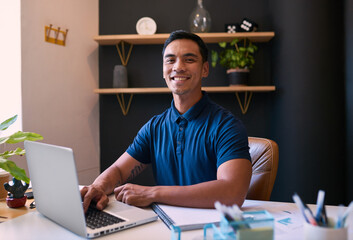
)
(255, 226)
(312, 232)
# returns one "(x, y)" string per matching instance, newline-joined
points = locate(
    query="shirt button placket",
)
(180, 138)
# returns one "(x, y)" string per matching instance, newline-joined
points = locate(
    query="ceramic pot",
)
(4, 177)
(16, 202)
(238, 76)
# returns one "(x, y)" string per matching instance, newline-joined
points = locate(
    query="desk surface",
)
(288, 224)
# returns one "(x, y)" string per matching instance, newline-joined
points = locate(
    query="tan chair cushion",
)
(264, 155)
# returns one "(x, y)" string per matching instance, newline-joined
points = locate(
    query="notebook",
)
(186, 218)
(55, 187)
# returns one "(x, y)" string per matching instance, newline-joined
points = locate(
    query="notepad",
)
(186, 218)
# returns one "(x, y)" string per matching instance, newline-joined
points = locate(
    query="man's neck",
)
(183, 103)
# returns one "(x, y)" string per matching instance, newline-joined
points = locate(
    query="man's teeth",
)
(179, 78)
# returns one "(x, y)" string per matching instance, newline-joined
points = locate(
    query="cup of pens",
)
(329, 232)
(318, 226)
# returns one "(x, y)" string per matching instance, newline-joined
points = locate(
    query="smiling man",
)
(198, 150)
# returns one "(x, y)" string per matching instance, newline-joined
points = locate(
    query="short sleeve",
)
(140, 147)
(232, 140)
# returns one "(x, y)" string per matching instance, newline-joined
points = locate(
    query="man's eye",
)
(190, 60)
(169, 60)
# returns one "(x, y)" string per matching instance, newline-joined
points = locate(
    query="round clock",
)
(146, 26)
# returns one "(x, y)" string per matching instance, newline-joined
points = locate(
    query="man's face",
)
(183, 68)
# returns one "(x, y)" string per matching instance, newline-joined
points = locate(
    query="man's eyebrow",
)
(185, 55)
(169, 55)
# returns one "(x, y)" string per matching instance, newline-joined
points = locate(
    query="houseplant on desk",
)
(17, 189)
(238, 58)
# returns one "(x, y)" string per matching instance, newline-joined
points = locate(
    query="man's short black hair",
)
(181, 34)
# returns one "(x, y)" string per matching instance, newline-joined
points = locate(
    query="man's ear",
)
(205, 69)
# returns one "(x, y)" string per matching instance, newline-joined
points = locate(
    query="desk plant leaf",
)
(17, 137)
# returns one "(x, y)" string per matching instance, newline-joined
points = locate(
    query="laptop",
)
(55, 187)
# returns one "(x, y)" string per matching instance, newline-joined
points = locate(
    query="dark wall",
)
(305, 115)
(349, 93)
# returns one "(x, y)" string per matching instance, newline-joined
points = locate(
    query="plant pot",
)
(16, 202)
(238, 76)
(4, 178)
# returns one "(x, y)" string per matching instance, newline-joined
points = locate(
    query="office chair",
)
(264, 155)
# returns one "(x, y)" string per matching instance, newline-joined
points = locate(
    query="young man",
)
(198, 151)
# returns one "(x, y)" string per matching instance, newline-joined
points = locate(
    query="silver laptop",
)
(56, 191)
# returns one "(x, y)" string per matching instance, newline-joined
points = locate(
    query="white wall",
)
(58, 81)
(10, 63)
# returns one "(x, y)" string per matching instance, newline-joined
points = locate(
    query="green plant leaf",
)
(214, 58)
(222, 44)
(13, 169)
(22, 136)
(17, 151)
(5, 124)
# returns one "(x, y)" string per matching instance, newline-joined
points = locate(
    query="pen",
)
(310, 217)
(300, 205)
(346, 213)
(319, 204)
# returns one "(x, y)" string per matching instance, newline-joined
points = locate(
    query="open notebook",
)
(186, 218)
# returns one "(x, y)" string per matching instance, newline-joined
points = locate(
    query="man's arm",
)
(231, 187)
(121, 171)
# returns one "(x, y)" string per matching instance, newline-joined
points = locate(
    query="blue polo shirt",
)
(187, 149)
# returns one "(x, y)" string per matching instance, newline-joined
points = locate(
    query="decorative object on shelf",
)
(246, 25)
(237, 59)
(18, 174)
(120, 77)
(232, 28)
(57, 34)
(146, 26)
(200, 19)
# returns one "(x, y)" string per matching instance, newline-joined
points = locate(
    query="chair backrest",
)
(264, 155)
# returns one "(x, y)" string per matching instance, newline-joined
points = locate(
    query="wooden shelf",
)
(161, 37)
(244, 105)
(166, 90)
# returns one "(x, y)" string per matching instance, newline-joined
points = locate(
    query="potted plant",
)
(238, 58)
(17, 189)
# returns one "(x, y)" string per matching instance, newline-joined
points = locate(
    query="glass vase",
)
(200, 19)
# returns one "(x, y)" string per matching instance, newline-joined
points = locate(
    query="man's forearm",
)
(109, 179)
(201, 195)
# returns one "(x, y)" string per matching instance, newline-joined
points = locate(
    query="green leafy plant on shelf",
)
(235, 55)
(17, 137)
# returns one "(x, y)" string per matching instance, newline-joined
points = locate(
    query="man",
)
(198, 151)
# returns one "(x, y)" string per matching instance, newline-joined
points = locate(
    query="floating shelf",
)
(247, 90)
(161, 37)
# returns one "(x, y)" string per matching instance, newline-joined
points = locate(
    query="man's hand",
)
(96, 194)
(136, 195)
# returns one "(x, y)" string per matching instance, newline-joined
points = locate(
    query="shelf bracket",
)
(247, 99)
(121, 50)
(121, 99)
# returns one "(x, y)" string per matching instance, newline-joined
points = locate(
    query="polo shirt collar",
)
(193, 112)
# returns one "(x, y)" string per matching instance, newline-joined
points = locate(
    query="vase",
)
(200, 19)
(238, 76)
(120, 77)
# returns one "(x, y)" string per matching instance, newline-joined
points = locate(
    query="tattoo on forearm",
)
(135, 171)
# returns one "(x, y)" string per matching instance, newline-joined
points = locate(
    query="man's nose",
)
(179, 66)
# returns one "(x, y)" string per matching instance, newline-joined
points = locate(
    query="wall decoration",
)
(55, 36)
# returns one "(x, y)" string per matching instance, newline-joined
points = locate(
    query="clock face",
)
(146, 26)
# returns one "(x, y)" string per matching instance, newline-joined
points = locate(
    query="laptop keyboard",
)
(97, 219)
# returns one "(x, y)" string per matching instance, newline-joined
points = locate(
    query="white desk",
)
(30, 225)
